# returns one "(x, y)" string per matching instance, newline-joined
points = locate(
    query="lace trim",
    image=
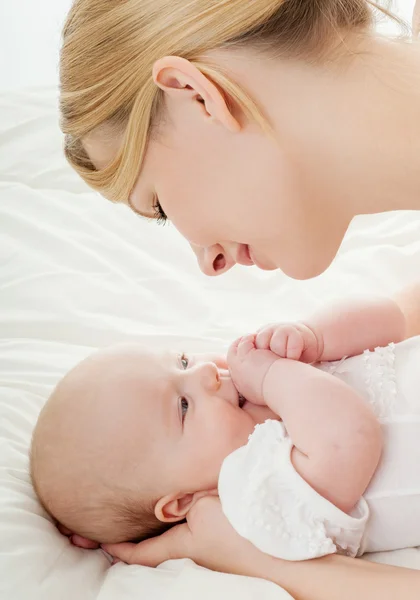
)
(293, 521)
(380, 379)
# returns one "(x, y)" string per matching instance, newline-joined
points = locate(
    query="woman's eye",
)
(160, 215)
(184, 361)
(184, 407)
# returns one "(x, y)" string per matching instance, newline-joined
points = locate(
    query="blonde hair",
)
(110, 46)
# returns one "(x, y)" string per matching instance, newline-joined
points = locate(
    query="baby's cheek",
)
(236, 430)
(224, 431)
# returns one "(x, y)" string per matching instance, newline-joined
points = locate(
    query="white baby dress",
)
(268, 503)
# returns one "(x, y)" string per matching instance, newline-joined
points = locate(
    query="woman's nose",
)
(213, 260)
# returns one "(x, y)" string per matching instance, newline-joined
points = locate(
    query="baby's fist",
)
(248, 367)
(295, 341)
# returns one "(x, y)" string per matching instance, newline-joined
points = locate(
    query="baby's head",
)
(130, 440)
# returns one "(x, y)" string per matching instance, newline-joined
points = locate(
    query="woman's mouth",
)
(264, 265)
(241, 400)
(243, 256)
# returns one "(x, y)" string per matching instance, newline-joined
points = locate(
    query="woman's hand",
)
(210, 541)
(77, 540)
(207, 538)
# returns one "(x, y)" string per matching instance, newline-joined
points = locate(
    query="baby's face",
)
(174, 416)
(190, 415)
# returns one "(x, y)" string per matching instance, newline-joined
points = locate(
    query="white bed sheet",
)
(77, 273)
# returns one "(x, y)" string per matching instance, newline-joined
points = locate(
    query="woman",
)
(210, 541)
(260, 129)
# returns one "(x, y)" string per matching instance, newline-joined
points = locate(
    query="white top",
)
(268, 503)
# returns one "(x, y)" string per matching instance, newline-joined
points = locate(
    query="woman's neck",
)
(372, 114)
(381, 93)
(353, 123)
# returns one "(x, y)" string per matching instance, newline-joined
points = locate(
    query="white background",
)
(30, 40)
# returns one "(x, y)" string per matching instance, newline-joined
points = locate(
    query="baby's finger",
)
(245, 346)
(263, 338)
(236, 343)
(249, 337)
(278, 342)
(287, 342)
(295, 345)
(233, 351)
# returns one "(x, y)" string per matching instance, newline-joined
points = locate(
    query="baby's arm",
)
(364, 324)
(348, 328)
(341, 329)
(337, 439)
(408, 299)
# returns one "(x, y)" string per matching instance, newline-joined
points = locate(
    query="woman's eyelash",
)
(184, 361)
(160, 215)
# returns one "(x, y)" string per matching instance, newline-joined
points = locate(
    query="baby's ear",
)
(175, 507)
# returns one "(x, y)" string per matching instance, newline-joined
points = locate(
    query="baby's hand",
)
(248, 367)
(295, 341)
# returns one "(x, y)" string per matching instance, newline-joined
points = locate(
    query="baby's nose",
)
(209, 376)
(213, 260)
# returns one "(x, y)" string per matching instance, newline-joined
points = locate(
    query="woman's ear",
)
(175, 507)
(179, 78)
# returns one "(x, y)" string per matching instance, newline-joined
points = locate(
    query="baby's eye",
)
(184, 361)
(184, 407)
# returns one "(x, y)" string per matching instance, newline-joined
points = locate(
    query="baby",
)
(130, 440)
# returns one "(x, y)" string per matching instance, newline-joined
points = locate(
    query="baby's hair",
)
(138, 523)
(100, 510)
(110, 46)
(107, 518)
(116, 520)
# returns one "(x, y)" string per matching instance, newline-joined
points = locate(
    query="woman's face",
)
(237, 198)
(237, 195)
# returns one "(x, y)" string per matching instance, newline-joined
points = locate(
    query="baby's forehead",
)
(126, 369)
(123, 358)
(113, 392)
(126, 351)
